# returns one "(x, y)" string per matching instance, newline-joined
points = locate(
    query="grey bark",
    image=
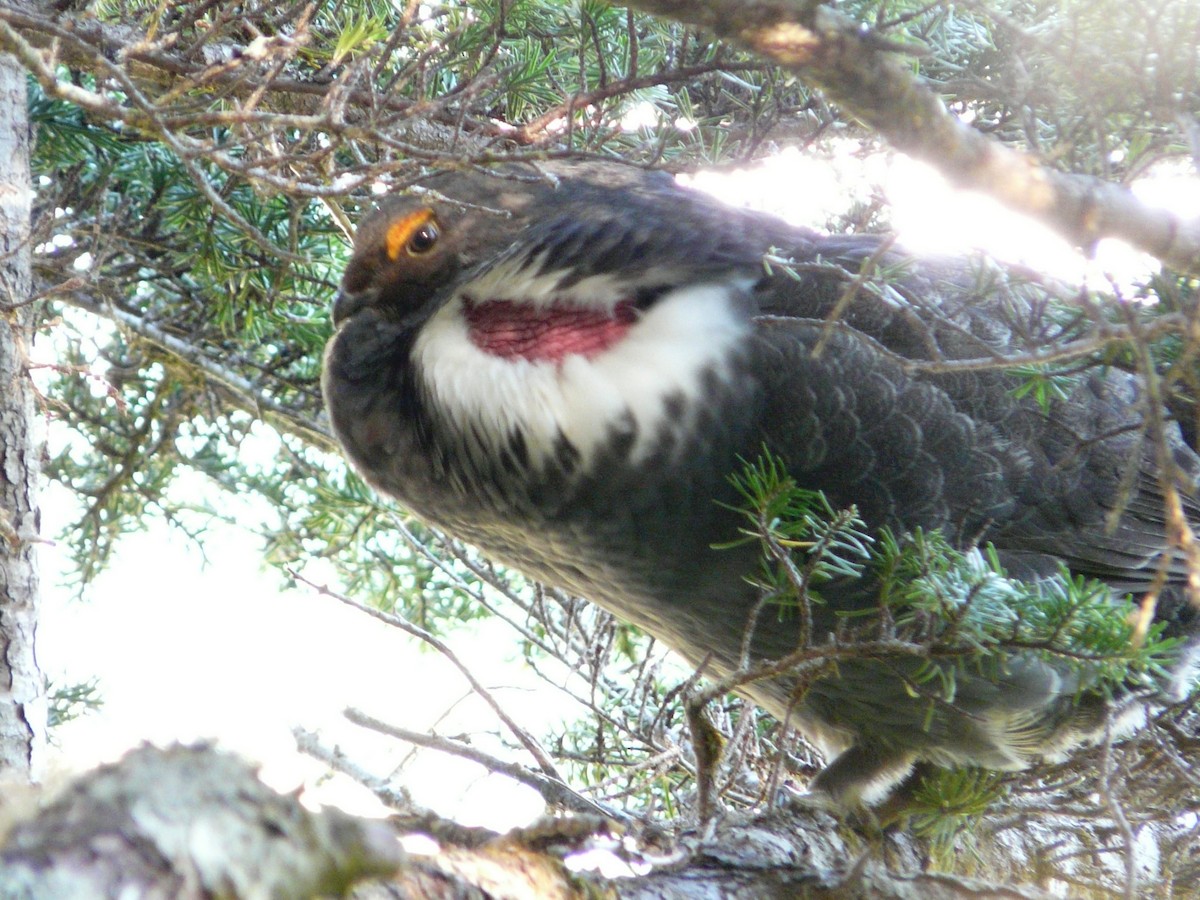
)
(195, 822)
(187, 822)
(22, 697)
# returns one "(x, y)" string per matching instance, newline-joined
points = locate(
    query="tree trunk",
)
(22, 696)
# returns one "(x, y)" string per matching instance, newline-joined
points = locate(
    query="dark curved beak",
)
(345, 305)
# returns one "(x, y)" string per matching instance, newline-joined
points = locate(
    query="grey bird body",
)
(605, 471)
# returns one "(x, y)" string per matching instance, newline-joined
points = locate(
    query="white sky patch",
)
(185, 652)
(605, 861)
(643, 114)
(346, 182)
(932, 216)
(800, 189)
(1174, 186)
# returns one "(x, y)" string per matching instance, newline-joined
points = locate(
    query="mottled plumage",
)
(563, 366)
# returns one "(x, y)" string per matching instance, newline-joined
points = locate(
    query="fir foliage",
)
(958, 610)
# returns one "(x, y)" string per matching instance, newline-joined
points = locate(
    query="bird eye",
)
(423, 239)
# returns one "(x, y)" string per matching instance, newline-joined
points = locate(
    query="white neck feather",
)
(665, 353)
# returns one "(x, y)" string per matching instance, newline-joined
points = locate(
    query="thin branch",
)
(551, 787)
(309, 743)
(243, 392)
(526, 739)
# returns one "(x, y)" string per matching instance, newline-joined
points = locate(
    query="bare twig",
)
(552, 788)
(527, 740)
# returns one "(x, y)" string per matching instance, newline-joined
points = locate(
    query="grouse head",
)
(403, 255)
(411, 247)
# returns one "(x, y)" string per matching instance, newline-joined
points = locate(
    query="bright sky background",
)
(185, 651)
